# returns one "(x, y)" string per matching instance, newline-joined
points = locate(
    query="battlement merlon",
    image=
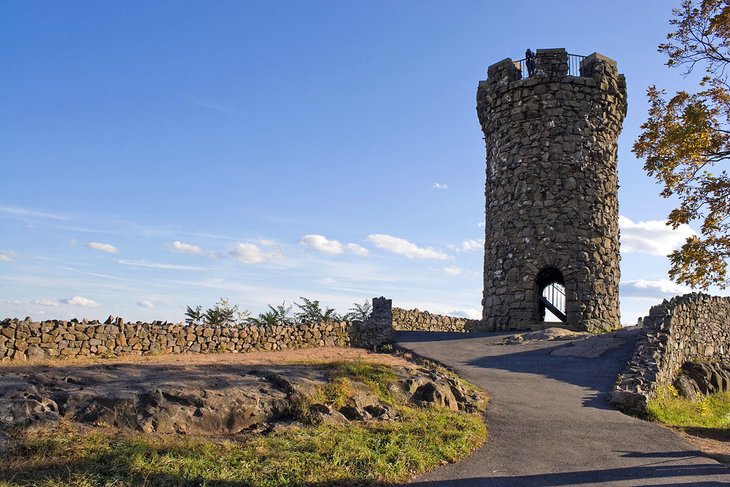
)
(553, 65)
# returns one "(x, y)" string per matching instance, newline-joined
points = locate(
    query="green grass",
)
(368, 453)
(379, 378)
(701, 412)
(356, 454)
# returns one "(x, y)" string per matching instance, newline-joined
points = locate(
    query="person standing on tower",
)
(530, 62)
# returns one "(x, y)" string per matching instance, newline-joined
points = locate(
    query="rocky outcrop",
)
(702, 378)
(690, 328)
(212, 399)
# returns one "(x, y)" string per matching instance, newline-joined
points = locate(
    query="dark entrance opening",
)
(551, 285)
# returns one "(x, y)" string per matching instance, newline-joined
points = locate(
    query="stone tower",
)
(552, 190)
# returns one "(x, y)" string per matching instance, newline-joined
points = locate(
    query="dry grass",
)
(318, 355)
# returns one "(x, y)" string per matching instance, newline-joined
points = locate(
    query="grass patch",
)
(379, 378)
(355, 454)
(358, 453)
(670, 408)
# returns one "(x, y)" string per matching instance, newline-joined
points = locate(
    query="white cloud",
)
(13, 301)
(157, 265)
(439, 186)
(474, 314)
(402, 246)
(321, 243)
(186, 248)
(5, 256)
(23, 212)
(81, 301)
(659, 289)
(471, 245)
(46, 302)
(248, 253)
(451, 271)
(146, 303)
(652, 237)
(357, 249)
(103, 247)
(481, 224)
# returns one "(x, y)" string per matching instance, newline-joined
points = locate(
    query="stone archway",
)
(551, 293)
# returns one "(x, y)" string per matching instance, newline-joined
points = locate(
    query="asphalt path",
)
(550, 422)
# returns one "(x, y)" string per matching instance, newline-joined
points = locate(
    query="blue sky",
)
(158, 154)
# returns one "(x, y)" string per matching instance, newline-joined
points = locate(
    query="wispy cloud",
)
(217, 107)
(451, 271)
(187, 248)
(28, 213)
(440, 186)
(6, 256)
(652, 237)
(146, 303)
(403, 247)
(158, 265)
(658, 289)
(81, 301)
(468, 246)
(470, 313)
(46, 302)
(243, 252)
(321, 243)
(103, 247)
(248, 253)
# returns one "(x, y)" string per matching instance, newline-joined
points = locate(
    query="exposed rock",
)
(548, 334)
(592, 347)
(702, 378)
(209, 399)
(357, 405)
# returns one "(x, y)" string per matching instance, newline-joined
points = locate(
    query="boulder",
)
(437, 394)
(703, 378)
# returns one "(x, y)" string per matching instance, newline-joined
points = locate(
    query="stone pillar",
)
(378, 328)
(551, 188)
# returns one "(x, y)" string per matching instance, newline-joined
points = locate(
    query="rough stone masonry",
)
(551, 189)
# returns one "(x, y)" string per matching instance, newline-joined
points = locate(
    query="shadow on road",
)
(597, 374)
(632, 476)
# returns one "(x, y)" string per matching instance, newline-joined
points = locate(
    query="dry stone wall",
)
(552, 188)
(25, 339)
(416, 320)
(690, 328)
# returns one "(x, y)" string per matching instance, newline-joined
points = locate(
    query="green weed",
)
(711, 411)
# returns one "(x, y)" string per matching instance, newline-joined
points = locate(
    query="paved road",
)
(550, 423)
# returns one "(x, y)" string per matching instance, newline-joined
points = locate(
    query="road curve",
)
(549, 420)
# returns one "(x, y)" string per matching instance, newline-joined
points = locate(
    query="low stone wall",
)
(414, 319)
(35, 340)
(690, 328)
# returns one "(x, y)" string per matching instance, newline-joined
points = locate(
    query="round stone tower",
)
(552, 238)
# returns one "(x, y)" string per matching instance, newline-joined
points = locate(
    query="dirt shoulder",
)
(320, 355)
(715, 443)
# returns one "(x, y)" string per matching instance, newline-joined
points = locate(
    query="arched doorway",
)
(551, 287)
